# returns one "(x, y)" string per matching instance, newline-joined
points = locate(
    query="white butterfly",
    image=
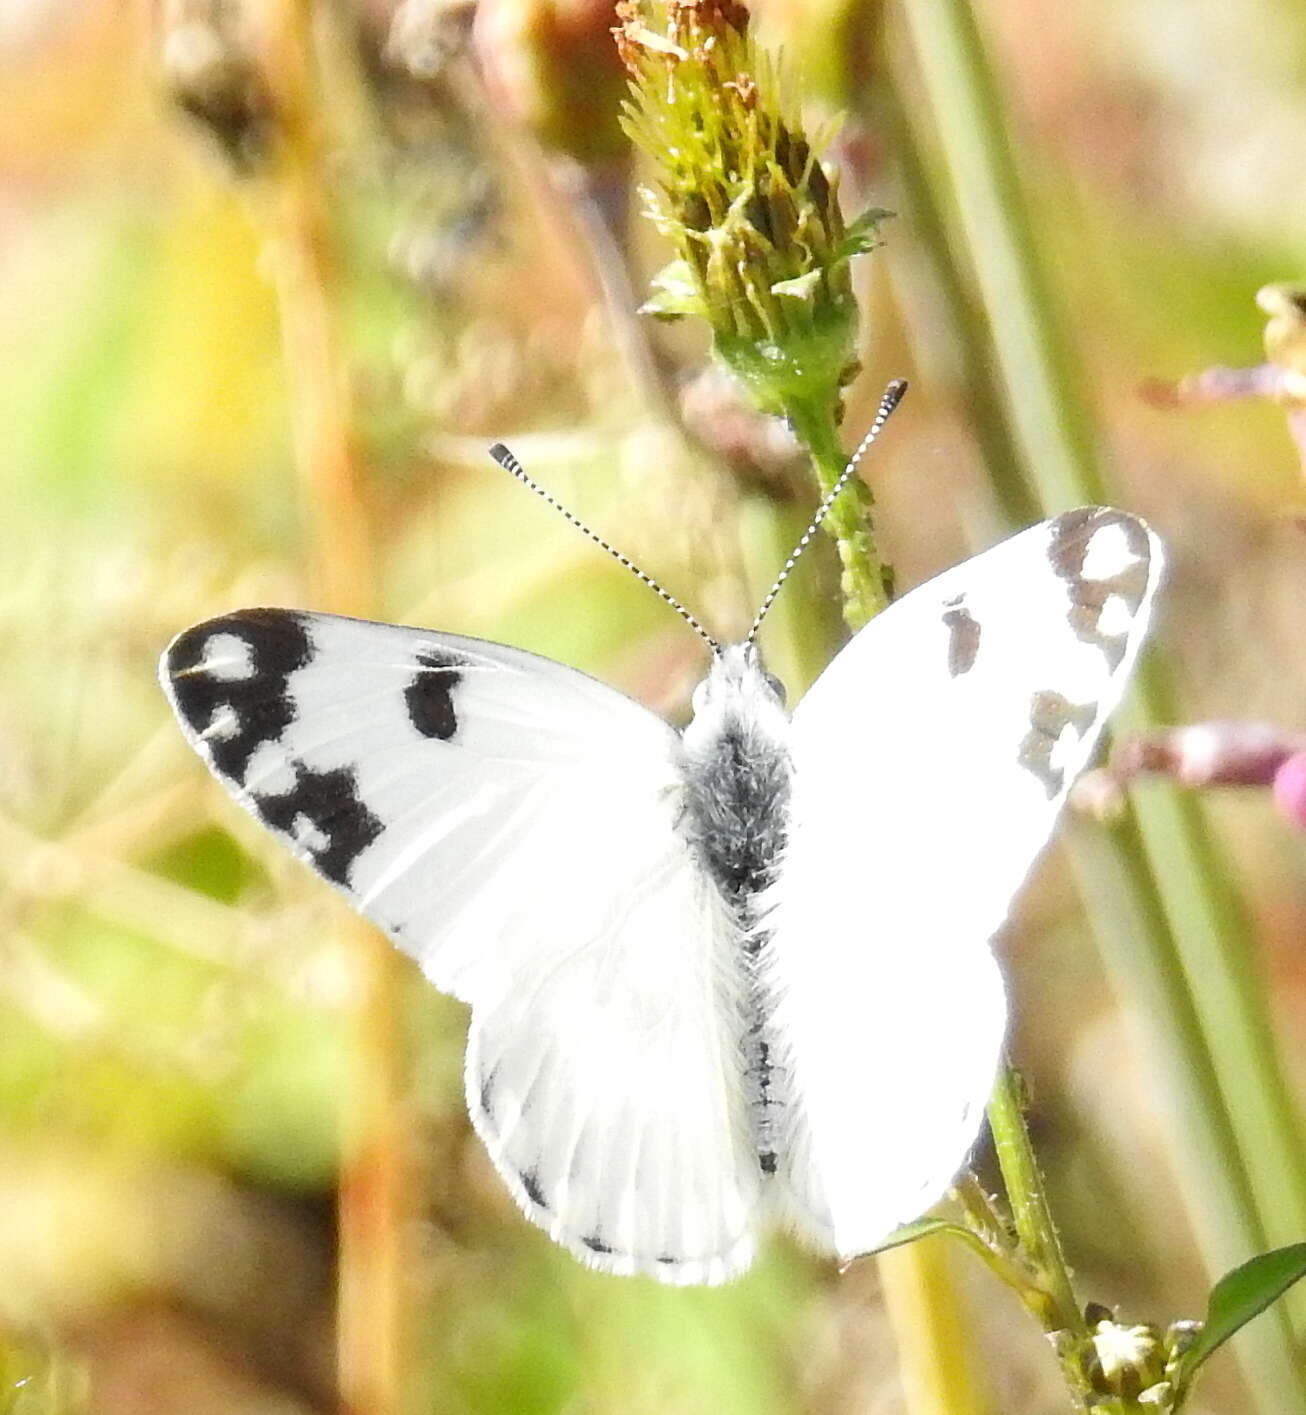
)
(719, 979)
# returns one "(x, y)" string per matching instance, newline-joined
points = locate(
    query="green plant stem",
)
(963, 326)
(849, 522)
(1052, 430)
(1179, 899)
(997, 1255)
(982, 1215)
(803, 631)
(1225, 984)
(1029, 1203)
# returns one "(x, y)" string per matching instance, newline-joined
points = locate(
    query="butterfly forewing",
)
(512, 824)
(930, 762)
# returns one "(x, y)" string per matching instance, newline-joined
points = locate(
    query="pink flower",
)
(1290, 789)
(1203, 754)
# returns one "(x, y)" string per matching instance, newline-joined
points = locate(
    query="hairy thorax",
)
(737, 799)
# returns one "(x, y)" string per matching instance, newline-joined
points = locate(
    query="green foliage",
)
(1239, 1296)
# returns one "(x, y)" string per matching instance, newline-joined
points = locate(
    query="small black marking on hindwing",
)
(963, 636)
(595, 1244)
(259, 702)
(329, 801)
(429, 697)
(760, 1069)
(666, 1258)
(530, 1182)
(486, 1094)
(1049, 716)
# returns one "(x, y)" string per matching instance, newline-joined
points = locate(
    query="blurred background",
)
(272, 276)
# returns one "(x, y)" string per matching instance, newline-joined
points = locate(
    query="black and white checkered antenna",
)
(892, 397)
(510, 464)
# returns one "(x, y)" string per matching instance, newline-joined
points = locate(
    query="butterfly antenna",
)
(510, 464)
(892, 397)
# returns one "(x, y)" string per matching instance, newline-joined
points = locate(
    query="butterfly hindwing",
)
(605, 1082)
(512, 824)
(930, 762)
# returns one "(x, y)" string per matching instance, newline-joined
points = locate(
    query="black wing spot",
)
(258, 702)
(530, 1182)
(767, 1161)
(487, 1095)
(1049, 716)
(963, 637)
(595, 1244)
(1072, 536)
(429, 697)
(329, 802)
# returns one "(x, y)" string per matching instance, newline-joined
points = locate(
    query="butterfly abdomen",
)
(737, 772)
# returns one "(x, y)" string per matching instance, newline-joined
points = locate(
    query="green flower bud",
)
(762, 248)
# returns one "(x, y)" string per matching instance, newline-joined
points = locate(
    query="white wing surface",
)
(512, 824)
(930, 761)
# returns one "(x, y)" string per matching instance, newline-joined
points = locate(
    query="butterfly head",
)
(738, 707)
(738, 679)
